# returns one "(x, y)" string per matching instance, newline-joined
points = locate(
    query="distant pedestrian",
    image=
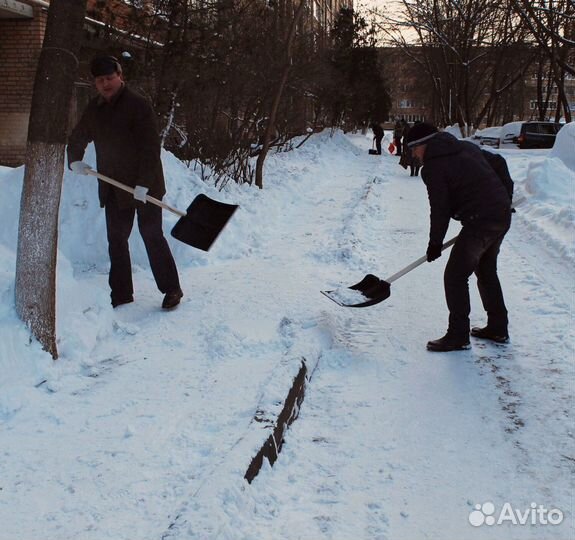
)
(462, 185)
(377, 135)
(122, 126)
(397, 134)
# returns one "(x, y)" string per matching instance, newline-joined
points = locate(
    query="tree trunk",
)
(35, 290)
(278, 95)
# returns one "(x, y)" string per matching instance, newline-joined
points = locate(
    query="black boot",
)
(499, 336)
(121, 301)
(172, 299)
(449, 342)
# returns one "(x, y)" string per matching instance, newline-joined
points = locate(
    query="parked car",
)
(509, 133)
(488, 136)
(538, 134)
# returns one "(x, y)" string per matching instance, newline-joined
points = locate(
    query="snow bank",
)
(550, 188)
(550, 210)
(564, 147)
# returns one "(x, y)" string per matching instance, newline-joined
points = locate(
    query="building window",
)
(411, 117)
(551, 106)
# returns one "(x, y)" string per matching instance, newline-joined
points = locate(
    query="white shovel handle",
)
(149, 198)
(419, 261)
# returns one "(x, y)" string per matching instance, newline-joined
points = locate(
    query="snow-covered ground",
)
(145, 426)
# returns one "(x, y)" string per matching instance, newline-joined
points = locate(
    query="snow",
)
(490, 132)
(493, 131)
(347, 296)
(564, 145)
(146, 424)
(509, 131)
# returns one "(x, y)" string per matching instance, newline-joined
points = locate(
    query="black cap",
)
(420, 134)
(104, 65)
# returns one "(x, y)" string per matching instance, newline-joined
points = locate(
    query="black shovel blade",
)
(371, 290)
(204, 220)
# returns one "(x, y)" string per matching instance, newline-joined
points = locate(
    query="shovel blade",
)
(204, 220)
(370, 291)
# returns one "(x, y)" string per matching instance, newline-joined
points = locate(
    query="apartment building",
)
(415, 97)
(324, 12)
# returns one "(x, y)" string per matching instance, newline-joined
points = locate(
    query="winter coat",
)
(405, 160)
(377, 131)
(461, 185)
(499, 165)
(127, 143)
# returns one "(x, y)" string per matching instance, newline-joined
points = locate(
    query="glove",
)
(433, 252)
(79, 167)
(140, 193)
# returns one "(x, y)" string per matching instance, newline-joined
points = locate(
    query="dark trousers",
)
(378, 144)
(475, 250)
(397, 143)
(119, 222)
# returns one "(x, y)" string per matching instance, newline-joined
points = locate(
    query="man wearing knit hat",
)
(123, 127)
(462, 185)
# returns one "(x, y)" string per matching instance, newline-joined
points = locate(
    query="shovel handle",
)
(447, 244)
(418, 262)
(149, 198)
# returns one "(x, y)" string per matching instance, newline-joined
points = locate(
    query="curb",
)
(290, 411)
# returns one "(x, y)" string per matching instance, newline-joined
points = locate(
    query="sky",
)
(146, 424)
(389, 8)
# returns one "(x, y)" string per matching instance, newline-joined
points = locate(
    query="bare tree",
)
(270, 124)
(552, 25)
(217, 73)
(467, 48)
(35, 292)
(230, 80)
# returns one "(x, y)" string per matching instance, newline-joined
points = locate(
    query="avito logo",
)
(536, 514)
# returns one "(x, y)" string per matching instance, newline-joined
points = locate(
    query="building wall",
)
(20, 45)
(411, 100)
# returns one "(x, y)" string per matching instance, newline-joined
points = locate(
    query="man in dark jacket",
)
(377, 135)
(462, 185)
(397, 134)
(123, 128)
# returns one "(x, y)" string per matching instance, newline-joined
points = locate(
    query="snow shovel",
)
(372, 290)
(199, 226)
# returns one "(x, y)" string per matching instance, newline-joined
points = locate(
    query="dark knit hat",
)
(104, 65)
(420, 134)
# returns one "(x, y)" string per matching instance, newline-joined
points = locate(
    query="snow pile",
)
(454, 129)
(550, 188)
(564, 147)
